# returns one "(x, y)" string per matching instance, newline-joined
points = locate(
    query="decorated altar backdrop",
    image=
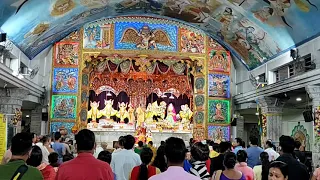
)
(141, 54)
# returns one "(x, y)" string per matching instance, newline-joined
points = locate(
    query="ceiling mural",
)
(254, 30)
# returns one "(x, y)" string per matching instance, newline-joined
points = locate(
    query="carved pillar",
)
(10, 100)
(314, 94)
(271, 109)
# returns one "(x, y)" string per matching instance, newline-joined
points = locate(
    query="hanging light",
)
(109, 94)
(171, 97)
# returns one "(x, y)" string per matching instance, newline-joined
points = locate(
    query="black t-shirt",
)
(297, 170)
(216, 164)
(300, 155)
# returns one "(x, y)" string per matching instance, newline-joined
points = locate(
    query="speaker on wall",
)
(234, 122)
(307, 115)
(3, 37)
(44, 117)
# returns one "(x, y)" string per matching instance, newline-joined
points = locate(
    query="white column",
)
(272, 108)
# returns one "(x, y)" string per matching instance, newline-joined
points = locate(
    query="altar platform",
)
(109, 135)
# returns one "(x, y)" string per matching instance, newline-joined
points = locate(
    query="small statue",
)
(94, 113)
(149, 136)
(171, 115)
(108, 110)
(149, 114)
(141, 134)
(162, 110)
(122, 113)
(185, 115)
(140, 116)
(131, 114)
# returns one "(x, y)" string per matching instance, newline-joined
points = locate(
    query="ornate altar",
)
(120, 75)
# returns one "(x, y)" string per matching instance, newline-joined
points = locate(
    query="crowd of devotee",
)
(32, 158)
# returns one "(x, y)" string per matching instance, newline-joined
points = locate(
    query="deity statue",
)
(140, 134)
(171, 115)
(162, 109)
(140, 116)
(94, 113)
(185, 115)
(108, 110)
(149, 114)
(122, 113)
(131, 114)
(218, 115)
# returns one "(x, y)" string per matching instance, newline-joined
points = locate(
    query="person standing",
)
(144, 171)
(273, 155)
(21, 145)
(237, 145)
(299, 154)
(230, 173)
(217, 162)
(200, 154)
(297, 170)
(85, 165)
(58, 147)
(254, 152)
(125, 160)
(242, 165)
(261, 172)
(175, 151)
(139, 148)
(44, 145)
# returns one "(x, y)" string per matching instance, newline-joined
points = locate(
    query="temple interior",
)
(213, 69)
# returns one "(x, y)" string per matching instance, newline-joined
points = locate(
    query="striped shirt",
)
(200, 170)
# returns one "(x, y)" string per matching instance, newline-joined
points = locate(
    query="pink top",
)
(174, 173)
(245, 169)
(316, 174)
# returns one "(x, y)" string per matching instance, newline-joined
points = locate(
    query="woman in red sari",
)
(144, 171)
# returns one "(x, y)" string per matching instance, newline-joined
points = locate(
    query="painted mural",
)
(219, 111)
(63, 107)
(57, 126)
(300, 134)
(66, 54)
(144, 36)
(65, 80)
(219, 85)
(219, 133)
(191, 42)
(97, 36)
(255, 30)
(219, 60)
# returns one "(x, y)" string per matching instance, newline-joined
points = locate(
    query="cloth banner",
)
(3, 136)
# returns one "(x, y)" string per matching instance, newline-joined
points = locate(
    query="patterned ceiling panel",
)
(254, 30)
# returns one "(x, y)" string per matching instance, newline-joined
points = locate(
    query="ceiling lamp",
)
(171, 97)
(109, 94)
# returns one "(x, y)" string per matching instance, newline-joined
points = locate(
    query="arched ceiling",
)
(254, 30)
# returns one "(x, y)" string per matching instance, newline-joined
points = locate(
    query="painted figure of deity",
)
(140, 134)
(149, 136)
(94, 113)
(219, 115)
(140, 116)
(171, 115)
(131, 114)
(108, 110)
(122, 113)
(185, 115)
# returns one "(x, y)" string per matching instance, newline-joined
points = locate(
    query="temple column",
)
(10, 101)
(271, 110)
(314, 94)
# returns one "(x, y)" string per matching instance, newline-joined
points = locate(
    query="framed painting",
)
(63, 107)
(219, 85)
(57, 126)
(97, 36)
(199, 133)
(65, 80)
(191, 42)
(219, 61)
(145, 36)
(213, 44)
(219, 111)
(66, 54)
(219, 133)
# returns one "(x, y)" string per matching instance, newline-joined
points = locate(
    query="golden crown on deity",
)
(67, 46)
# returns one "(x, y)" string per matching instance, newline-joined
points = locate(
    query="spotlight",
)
(298, 99)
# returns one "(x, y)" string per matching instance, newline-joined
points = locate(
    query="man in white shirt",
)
(125, 160)
(273, 155)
